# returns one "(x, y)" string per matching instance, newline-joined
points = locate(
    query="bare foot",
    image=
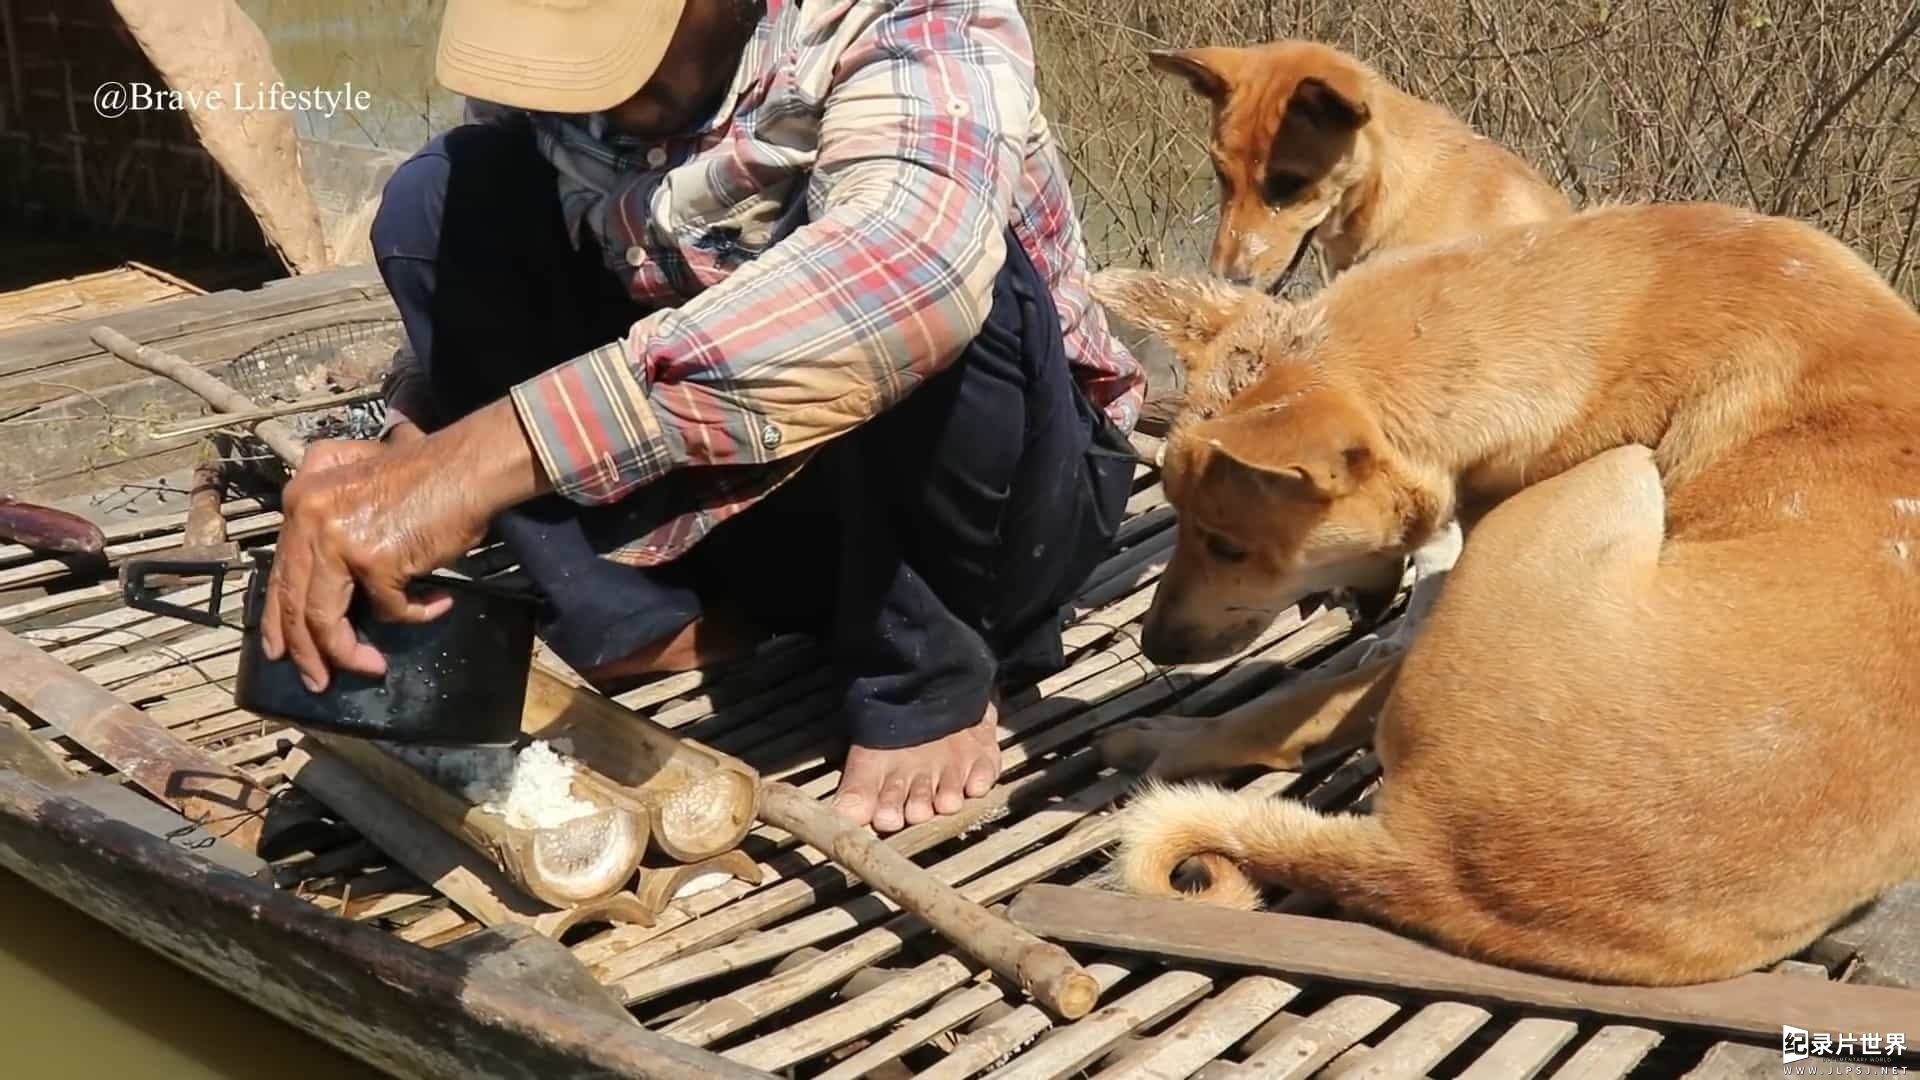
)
(891, 789)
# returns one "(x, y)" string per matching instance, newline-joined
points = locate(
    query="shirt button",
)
(636, 255)
(657, 157)
(958, 109)
(770, 437)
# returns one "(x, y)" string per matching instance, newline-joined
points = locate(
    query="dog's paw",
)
(1139, 745)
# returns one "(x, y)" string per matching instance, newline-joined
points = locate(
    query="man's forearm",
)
(488, 454)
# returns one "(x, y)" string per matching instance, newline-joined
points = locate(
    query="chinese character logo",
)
(1793, 1044)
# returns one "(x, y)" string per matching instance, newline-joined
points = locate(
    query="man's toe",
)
(889, 812)
(950, 794)
(981, 775)
(920, 799)
(859, 792)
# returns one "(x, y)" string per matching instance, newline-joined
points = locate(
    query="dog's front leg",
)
(1273, 730)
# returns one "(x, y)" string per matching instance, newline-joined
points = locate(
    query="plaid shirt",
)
(827, 242)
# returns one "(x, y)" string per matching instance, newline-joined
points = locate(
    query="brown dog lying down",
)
(1658, 726)
(1314, 147)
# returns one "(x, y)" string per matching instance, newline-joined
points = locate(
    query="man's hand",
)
(375, 517)
(328, 453)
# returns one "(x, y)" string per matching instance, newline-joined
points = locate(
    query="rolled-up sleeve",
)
(922, 138)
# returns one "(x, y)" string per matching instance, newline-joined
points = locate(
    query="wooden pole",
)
(1306, 946)
(219, 798)
(1044, 970)
(278, 437)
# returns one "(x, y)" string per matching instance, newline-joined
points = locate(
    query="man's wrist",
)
(492, 457)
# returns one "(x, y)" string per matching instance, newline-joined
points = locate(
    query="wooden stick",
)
(278, 437)
(217, 797)
(268, 412)
(1041, 968)
(831, 922)
(1753, 1004)
(1002, 1038)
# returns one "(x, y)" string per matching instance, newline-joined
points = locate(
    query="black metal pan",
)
(460, 680)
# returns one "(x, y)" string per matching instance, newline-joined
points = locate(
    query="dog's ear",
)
(1186, 312)
(1210, 71)
(1315, 460)
(1333, 101)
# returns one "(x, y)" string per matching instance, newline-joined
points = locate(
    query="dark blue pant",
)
(930, 549)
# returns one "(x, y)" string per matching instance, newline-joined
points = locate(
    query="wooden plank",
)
(1754, 1004)
(1071, 1048)
(957, 1008)
(996, 1041)
(1523, 1051)
(215, 796)
(43, 347)
(45, 570)
(1738, 1061)
(1415, 1047)
(101, 386)
(849, 1020)
(1883, 943)
(414, 1013)
(1611, 1053)
(1302, 1049)
(140, 528)
(1206, 1032)
(1731, 1059)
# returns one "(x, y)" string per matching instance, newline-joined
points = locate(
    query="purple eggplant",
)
(50, 531)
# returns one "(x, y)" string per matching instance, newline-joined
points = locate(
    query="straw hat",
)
(567, 56)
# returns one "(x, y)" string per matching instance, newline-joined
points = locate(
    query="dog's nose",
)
(1161, 645)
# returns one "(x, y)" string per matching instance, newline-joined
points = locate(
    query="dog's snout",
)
(1170, 642)
(1162, 644)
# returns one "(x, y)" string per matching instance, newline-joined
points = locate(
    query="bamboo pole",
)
(1041, 968)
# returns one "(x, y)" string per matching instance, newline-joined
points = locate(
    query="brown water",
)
(80, 1002)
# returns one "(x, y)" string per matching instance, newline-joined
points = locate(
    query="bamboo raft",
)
(802, 972)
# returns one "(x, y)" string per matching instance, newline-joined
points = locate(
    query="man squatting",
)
(732, 318)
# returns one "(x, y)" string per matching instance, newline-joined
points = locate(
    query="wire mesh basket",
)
(318, 361)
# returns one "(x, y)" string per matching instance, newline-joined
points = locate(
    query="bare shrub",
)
(1798, 107)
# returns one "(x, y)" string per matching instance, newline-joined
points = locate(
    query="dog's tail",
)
(1242, 841)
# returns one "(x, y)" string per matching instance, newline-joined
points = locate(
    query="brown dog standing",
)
(1656, 728)
(1314, 147)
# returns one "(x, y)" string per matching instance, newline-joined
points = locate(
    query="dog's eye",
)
(1224, 551)
(1284, 187)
